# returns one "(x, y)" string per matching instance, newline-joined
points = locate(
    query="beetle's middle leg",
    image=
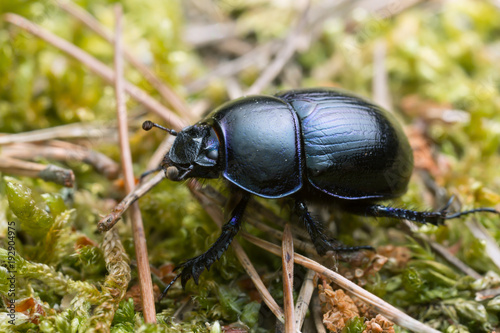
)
(195, 266)
(321, 241)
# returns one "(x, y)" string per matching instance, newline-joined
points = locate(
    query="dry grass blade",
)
(446, 254)
(63, 151)
(317, 315)
(298, 244)
(287, 263)
(304, 298)
(257, 281)
(141, 250)
(282, 57)
(480, 232)
(165, 91)
(50, 172)
(380, 83)
(70, 131)
(259, 55)
(97, 67)
(379, 305)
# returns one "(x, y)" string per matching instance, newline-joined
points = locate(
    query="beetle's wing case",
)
(353, 149)
(261, 141)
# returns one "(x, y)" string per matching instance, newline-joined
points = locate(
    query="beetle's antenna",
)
(147, 125)
(164, 293)
(489, 210)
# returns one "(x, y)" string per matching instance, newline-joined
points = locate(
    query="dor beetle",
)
(311, 145)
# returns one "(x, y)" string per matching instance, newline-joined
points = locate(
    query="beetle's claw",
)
(193, 268)
(190, 269)
(164, 293)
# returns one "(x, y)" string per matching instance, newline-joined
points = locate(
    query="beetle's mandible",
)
(310, 145)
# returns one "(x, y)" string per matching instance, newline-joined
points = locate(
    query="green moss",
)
(354, 325)
(33, 219)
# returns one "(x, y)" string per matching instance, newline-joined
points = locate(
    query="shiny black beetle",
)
(311, 145)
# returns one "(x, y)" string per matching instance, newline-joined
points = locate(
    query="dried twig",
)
(70, 131)
(379, 305)
(50, 172)
(198, 35)
(380, 86)
(108, 221)
(165, 91)
(282, 57)
(63, 151)
(97, 67)
(305, 294)
(287, 254)
(141, 249)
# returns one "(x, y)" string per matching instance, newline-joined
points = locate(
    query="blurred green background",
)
(436, 64)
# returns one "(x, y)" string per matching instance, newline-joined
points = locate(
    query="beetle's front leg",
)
(321, 241)
(195, 266)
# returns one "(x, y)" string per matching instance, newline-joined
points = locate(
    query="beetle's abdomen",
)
(261, 138)
(353, 149)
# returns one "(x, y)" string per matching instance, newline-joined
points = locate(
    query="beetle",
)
(312, 145)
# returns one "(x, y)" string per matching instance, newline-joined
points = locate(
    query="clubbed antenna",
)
(147, 125)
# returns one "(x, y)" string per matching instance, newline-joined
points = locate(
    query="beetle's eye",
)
(213, 154)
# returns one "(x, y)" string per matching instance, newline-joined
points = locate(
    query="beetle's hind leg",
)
(435, 218)
(321, 241)
(195, 266)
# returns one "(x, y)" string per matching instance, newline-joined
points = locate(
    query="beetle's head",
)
(195, 153)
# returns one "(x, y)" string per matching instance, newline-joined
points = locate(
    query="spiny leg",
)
(195, 266)
(321, 241)
(435, 218)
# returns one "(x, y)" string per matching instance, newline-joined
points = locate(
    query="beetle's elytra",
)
(310, 145)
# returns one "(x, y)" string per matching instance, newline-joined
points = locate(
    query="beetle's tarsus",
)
(477, 210)
(435, 218)
(164, 293)
(355, 248)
